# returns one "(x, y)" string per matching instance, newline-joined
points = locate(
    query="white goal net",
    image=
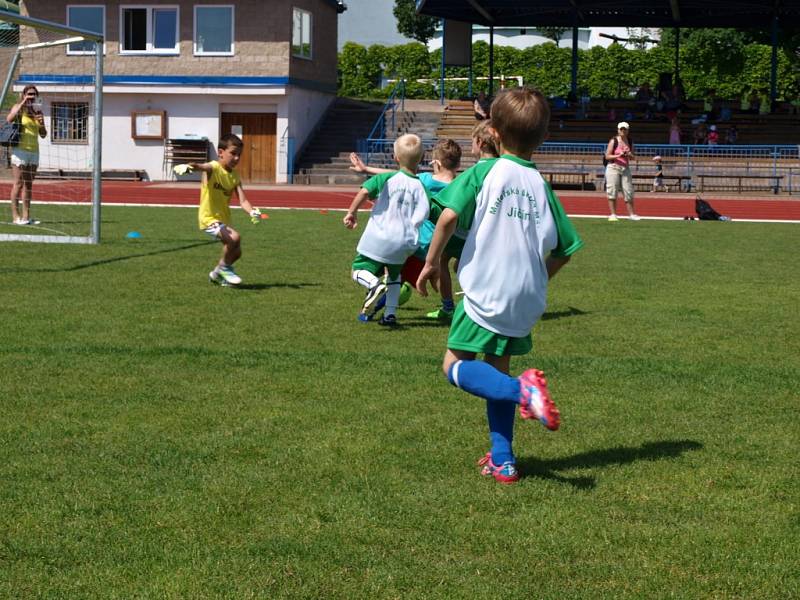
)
(50, 168)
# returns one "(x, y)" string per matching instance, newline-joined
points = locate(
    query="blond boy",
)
(392, 232)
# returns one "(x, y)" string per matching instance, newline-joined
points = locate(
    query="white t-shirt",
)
(401, 205)
(515, 221)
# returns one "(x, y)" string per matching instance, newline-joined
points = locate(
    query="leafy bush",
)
(715, 59)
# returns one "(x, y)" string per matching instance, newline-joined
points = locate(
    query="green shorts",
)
(375, 267)
(454, 247)
(466, 335)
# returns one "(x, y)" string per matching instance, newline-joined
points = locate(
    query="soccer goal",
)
(61, 127)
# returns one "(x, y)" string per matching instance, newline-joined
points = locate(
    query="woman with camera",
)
(25, 155)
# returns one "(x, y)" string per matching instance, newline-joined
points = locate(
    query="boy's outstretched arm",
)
(357, 165)
(351, 218)
(243, 201)
(553, 264)
(205, 167)
(445, 227)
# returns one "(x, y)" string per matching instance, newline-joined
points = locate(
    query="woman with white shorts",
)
(25, 155)
(619, 153)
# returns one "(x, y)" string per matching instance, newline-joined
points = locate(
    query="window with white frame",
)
(149, 29)
(70, 122)
(301, 33)
(213, 30)
(90, 18)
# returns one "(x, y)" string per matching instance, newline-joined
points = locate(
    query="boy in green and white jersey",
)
(392, 233)
(519, 237)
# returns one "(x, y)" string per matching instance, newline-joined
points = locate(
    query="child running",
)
(219, 181)
(483, 147)
(519, 237)
(392, 232)
(445, 161)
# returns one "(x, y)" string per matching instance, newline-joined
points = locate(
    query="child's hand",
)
(429, 273)
(182, 169)
(356, 164)
(255, 216)
(350, 220)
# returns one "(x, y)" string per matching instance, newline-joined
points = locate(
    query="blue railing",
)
(398, 96)
(779, 162)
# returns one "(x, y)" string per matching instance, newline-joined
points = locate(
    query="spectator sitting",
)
(481, 106)
(709, 102)
(675, 131)
(713, 137)
(700, 133)
(732, 135)
(643, 96)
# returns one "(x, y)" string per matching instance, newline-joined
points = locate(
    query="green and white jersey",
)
(401, 205)
(514, 221)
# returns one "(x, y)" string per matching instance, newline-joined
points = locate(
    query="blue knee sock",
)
(501, 430)
(501, 392)
(482, 379)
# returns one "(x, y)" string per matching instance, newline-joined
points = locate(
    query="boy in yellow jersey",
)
(219, 181)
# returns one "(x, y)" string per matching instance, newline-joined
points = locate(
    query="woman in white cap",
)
(619, 153)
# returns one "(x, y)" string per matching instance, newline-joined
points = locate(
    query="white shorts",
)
(24, 158)
(215, 229)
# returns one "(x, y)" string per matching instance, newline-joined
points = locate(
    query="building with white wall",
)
(263, 70)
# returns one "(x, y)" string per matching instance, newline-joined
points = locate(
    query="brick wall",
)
(262, 38)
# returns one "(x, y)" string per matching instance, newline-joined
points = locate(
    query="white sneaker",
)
(635, 218)
(229, 275)
(613, 218)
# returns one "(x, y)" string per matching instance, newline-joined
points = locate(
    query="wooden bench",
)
(643, 177)
(739, 177)
(550, 175)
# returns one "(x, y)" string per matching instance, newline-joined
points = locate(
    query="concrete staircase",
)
(326, 158)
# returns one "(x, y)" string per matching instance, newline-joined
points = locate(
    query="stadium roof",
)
(756, 14)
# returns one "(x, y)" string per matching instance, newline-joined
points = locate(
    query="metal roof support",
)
(481, 11)
(773, 73)
(676, 77)
(574, 83)
(491, 60)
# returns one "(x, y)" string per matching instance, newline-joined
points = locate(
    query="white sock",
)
(392, 296)
(365, 278)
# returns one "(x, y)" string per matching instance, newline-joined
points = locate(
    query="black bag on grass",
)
(704, 210)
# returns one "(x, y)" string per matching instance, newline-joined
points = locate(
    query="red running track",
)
(304, 197)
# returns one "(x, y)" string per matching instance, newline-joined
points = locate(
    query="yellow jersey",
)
(215, 195)
(28, 133)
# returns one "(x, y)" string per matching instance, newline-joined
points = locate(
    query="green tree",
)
(553, 33)
(410, 24)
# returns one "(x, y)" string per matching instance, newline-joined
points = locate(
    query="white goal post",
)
(33, 50)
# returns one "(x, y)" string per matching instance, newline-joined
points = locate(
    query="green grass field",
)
(165, 438)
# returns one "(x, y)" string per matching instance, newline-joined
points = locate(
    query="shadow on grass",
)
(267, 286)
(561, 314)
(105, 261)
(621, 455)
